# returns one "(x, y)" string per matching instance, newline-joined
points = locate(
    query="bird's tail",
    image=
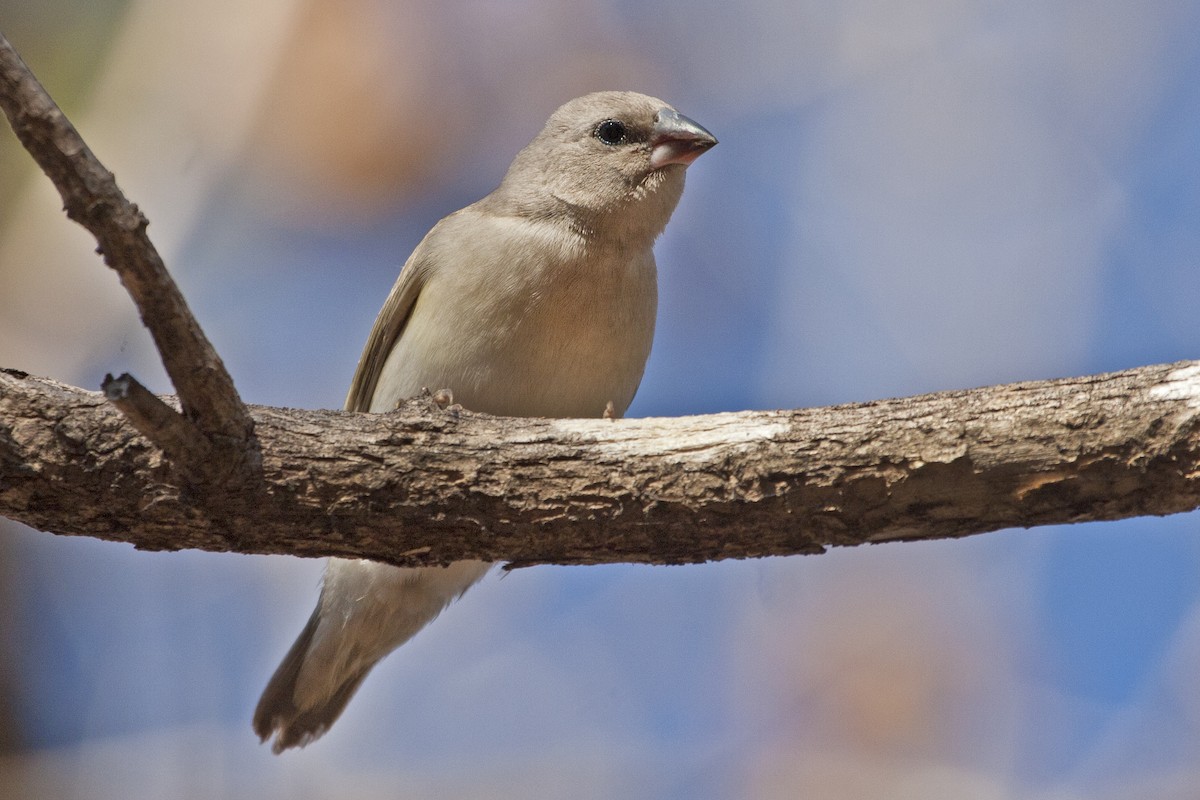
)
(277, 712)
(366, 610)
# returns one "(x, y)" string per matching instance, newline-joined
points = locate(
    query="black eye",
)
(612, 132)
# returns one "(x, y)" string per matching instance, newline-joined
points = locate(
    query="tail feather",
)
(365, 611)
(277, 713)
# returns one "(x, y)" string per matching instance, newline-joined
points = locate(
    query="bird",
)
(539, 300)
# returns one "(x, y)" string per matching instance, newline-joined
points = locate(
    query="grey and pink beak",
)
(677, 139)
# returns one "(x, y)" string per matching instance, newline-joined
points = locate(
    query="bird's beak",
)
(677, 139)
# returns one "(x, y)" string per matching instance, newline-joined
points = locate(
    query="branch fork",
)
(421, 486)
(212, 439)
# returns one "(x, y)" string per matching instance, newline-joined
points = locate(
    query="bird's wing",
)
(388, 328)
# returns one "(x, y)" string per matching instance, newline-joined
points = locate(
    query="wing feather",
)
(388, 328)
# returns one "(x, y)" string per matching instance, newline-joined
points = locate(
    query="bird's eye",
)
(612, 132)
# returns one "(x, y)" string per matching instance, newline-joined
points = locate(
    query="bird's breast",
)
(541, 323)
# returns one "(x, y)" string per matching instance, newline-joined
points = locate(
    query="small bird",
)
(537, 301)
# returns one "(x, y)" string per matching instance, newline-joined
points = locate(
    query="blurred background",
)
(907, 197)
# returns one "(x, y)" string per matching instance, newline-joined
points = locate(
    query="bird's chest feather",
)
(557, 329)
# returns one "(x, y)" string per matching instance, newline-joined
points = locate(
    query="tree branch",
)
(92, 198)
(421, 485)
(162, 424)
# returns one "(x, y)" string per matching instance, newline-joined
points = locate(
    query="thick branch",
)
(422, 485)
(92, 198)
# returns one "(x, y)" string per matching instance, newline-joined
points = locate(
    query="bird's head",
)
(607, 160)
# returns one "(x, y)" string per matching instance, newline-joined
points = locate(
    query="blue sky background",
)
(906, 198)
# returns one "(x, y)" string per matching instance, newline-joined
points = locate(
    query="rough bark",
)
(424, 485)
(211, 407)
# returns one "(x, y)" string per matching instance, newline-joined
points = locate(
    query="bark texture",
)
(429, 485)
(211, 407)
(426, 485)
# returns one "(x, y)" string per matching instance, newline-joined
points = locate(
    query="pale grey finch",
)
(537, 301)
